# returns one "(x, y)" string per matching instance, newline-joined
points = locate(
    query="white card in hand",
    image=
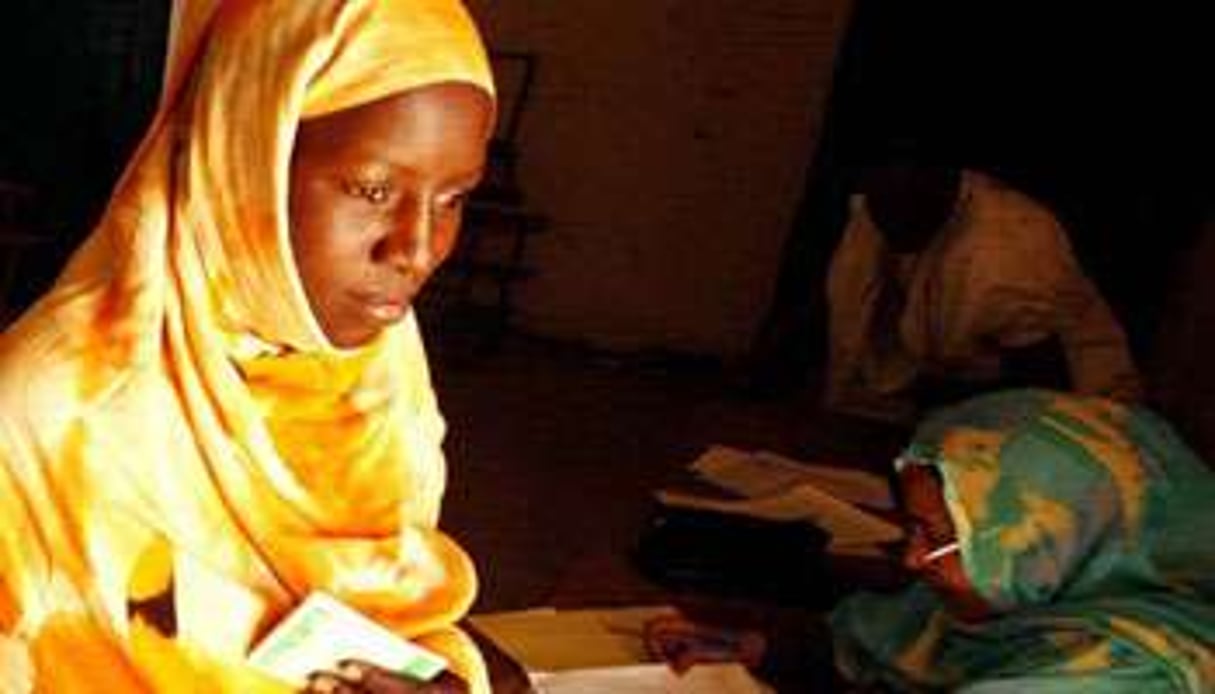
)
(324, 631)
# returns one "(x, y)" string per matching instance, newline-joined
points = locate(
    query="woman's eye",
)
(375, 192)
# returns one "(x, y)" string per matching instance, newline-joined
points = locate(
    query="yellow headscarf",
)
(172, 415)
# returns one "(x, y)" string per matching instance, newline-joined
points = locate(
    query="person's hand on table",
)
(683, 643)
(358, 677)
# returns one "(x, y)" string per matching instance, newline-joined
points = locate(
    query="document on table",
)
(774, 487)
(849, 526)
(546, 639)
(652, 678)
(763, 473)
(601, 652)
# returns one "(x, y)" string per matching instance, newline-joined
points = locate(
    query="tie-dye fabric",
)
(1086, 525)
(175, 427)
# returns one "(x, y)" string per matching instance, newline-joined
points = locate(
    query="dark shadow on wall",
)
(1183, 383)
(81, 80)
(1097, 112)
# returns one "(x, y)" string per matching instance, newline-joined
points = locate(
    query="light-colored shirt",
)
(999, 275)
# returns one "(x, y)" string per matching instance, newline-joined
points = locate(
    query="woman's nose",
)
(408, 244)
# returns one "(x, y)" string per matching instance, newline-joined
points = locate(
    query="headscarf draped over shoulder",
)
(172, 418)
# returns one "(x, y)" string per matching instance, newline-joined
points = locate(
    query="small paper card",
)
(323, 631)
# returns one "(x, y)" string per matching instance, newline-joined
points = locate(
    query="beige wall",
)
(667, 141)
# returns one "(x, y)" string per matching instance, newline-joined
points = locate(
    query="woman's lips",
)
(387, 313)
(386, 310)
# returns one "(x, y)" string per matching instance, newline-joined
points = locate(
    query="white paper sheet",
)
(651, 679)
(764, 473)
(546, 639)
(849, 526)
(601, 651)
(323, 631)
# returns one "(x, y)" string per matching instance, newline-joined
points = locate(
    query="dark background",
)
(1096, 111)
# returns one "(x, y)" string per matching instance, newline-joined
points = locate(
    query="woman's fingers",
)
(330, 683)
(367, 678)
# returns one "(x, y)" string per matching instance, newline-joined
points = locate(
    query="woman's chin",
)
(353, 338)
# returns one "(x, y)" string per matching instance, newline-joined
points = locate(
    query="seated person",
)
(1059, 543)
(947, 283)
(224, 403)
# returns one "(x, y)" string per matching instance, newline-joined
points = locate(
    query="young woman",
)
(224, 403)
(1060, 545)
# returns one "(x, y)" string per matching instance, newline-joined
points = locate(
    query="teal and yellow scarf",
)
(1086, 525)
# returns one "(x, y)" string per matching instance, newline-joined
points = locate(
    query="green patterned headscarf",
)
(1088, 526)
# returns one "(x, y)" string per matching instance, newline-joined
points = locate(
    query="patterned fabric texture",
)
(175, 426)
(1085, 525)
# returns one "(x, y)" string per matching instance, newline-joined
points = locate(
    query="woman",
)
(1060, 545)
(224, 404)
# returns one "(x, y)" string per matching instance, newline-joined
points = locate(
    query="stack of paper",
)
(777, 488)
(763, 473)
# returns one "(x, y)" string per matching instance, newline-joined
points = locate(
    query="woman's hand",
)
(358, 677)
(683, 643)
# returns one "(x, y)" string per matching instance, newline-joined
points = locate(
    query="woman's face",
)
(909, 203)
(930, 536)
(376, 194)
